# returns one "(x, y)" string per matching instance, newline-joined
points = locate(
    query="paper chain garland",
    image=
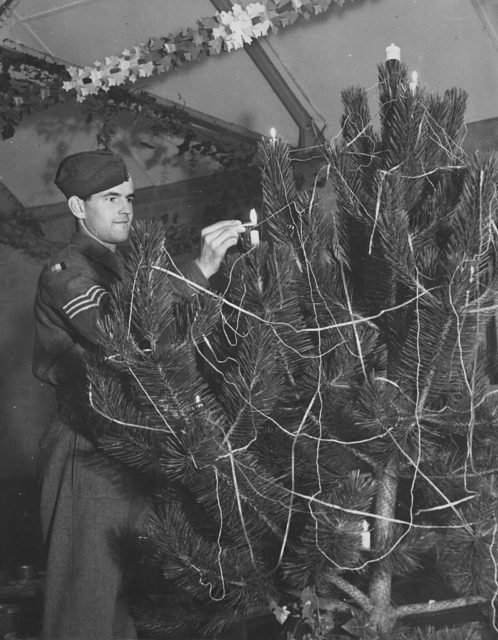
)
(225, 31)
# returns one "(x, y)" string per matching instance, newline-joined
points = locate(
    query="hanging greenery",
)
(29, 83)
(20, 231)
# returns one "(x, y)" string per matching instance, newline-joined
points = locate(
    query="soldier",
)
(86, 500)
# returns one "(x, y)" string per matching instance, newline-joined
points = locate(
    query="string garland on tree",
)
(343, 389)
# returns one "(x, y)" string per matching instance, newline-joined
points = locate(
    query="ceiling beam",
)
(284, 86)
(208, 124)
(487, 10)
(9, 204)
(47, 12)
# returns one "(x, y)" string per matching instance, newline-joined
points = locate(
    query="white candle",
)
(365, 535)
(273, 134)
(414, 83)
(393, 52)
(254, 234)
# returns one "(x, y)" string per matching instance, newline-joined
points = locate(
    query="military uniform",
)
(87, 502)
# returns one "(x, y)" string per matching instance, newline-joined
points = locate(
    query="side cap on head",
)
(88, 172)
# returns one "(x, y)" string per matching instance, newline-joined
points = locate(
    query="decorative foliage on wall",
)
(20, 231)
(29, 83)
(225, 31)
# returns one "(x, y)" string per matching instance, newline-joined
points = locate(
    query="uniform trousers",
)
(88, 505)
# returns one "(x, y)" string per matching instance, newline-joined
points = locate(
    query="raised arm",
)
(215, 241)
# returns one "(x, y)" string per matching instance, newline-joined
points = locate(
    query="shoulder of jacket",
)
(66, 258)
(68, 264)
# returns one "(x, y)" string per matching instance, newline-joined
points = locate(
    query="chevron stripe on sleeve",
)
(88, 300)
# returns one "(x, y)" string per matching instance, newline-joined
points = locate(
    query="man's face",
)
(108, 214)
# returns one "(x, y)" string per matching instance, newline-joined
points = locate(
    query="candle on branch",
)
(414, 83)
(393, 52)
(365, 535)
(254, 233)
(273, 135)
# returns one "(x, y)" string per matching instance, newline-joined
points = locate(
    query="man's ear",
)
(77, 207)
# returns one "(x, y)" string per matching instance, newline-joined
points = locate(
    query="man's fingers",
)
(215, 238)
(227, 243)
(221, 225)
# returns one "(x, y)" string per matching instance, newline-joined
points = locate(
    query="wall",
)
(23, 405)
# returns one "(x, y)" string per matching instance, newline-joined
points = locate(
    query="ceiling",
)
(448, 42)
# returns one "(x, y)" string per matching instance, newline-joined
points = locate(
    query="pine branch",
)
(353, 592)
(436, 606)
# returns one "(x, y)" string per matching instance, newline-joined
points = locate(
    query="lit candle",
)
(393, 52)
(254, 235)
(414, 82)
(273, 135)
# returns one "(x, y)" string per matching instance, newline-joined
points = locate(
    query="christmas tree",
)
(320, 434)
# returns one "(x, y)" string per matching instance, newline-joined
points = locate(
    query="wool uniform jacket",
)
(72, 293)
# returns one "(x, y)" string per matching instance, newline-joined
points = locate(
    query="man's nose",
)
(125, 207)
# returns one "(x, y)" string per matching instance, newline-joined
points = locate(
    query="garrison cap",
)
(88, 172)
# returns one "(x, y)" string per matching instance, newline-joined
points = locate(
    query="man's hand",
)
(215, 241)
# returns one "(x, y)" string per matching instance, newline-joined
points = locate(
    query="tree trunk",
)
(381, 619)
